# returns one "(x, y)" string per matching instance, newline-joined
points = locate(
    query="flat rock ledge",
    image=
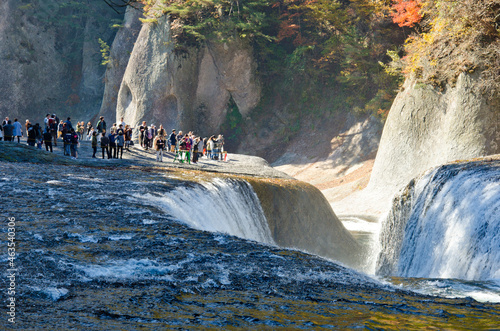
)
(237, 164)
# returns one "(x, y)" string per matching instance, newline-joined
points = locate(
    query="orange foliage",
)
(407, 12)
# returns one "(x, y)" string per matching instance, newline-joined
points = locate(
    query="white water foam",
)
(223, 205)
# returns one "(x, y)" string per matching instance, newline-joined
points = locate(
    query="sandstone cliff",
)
(189, 91)
(50, 58)
(121, 49)
(427, 128)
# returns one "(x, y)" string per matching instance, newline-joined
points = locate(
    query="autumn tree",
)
(406, 12)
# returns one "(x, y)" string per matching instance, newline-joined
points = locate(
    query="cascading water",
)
(445, 225)
(222, 205)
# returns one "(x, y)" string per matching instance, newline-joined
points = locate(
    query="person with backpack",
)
(67, 137)
(173, 141)
(94, 143)
(112, 144)
(53, 128)
(38, 136)
(74, 143)
(8, 131)
(105, 144)
(31, 135)
(47, 139)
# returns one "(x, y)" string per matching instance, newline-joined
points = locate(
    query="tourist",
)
(201, 145)
(47, 139)
(105, 144)
(1, 132)
(89, 134)
(46, 121)
(211, 147)
(120, 129)
(74, 144)
(195, 149)
(120, 142)
(161, 131)
(113, 128)
(67, 138)
(179, 139)
(31, 135)
(101, 126)
(17, 130)
(112, 144)
(60, 128)
(38, 136)
(68, 124)
(173, 141)
(122, 122)
(159, 146)
(146, 138)
(94, 142)
(142, 133)
(8, 130)
(151, 134)
(128, 137)
(80, 128)
(53, 128)
(27, 125)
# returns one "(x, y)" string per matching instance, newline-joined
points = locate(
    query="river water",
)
(102, 249)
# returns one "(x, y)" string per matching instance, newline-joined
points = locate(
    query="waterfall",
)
(445, 225)
(222, 205)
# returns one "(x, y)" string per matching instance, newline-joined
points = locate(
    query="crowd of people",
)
(112, 142)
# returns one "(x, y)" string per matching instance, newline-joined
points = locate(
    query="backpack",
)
(31, 133)
(67, 138)
(99, 126)
(74, 138)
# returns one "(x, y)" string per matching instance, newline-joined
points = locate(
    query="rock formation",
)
(426, 128)
(189, 91)
(50, 60)
(122, 47)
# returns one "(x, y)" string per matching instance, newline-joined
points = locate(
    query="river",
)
(104, 249)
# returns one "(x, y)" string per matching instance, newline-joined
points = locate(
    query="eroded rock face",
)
(189, 91)
(121, 49)
(31, 70)
(50, 61)
(426, 128)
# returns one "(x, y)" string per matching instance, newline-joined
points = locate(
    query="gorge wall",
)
(426, 128)
(188, 91)
(50, 58)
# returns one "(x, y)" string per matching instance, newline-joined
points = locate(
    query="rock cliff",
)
(122, 47)
(189, 91)
(427, 128)
(50, 58)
